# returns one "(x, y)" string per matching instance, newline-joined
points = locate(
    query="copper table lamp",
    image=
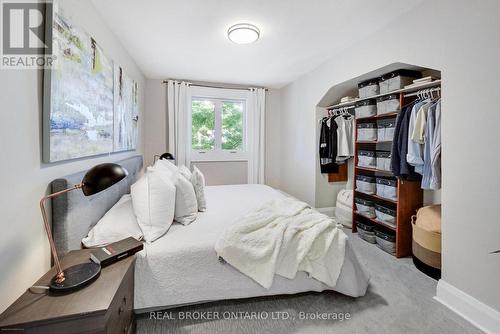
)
(97, 179)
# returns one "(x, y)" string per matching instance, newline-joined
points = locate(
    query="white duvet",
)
(282, 237)
(182, 266)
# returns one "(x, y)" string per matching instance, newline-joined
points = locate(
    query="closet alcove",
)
(409, 194)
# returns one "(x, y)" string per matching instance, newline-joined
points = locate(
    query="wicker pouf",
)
(426, 245)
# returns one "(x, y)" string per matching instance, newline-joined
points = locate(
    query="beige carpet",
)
(399, 300)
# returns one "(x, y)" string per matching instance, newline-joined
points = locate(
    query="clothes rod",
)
(431, 90)
(342, 108)
(219, 87)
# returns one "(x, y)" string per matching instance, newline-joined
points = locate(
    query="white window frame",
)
(219, 96)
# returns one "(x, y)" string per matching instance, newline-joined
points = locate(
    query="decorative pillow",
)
(167, 165)
(198, 181)
(117, 224)
(185, 172)
(186, 205)
(153, 199)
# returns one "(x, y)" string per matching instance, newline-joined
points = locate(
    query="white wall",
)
(155, 122)
(155, 138)
(218, 173)
(462, 39)
(24, 178)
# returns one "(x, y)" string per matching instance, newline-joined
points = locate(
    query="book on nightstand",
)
(116, 251)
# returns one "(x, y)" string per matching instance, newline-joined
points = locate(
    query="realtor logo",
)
(26, 43)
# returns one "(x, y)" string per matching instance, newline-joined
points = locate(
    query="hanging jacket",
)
(399, 165)
(328, 146)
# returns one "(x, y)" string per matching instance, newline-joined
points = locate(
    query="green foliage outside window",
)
(203, 125)
(232, 125)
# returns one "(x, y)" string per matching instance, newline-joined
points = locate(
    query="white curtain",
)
(178, 118)
(256, 115)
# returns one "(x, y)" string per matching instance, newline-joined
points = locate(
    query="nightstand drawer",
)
(104, 306)
(120, 315)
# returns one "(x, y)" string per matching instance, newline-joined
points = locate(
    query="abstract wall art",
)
(90, 105)
(126, 111)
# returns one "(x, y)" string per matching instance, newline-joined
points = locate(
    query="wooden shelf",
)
(374, 170)
(374, 118)
(409, 194)
(377, 222)
(431, 84)
(374, 142)
(376, 197)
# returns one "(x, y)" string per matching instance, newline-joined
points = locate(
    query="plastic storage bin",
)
(367, 159)
(368, 88)
(388, 104)
(387, 188)
(366, 232)
(365, 207)
(385, 214)
(384, 160)
(386, 241)
(367, 132)
(366, 108)
(397, 80)
(366, 184)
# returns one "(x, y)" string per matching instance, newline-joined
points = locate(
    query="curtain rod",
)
(213, 86)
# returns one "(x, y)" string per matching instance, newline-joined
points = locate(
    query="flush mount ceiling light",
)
(243, 33)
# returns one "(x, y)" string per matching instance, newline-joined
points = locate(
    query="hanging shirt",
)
(418, 134)
(345, 137)
(436, 150)
(429, 137)
(415, 155)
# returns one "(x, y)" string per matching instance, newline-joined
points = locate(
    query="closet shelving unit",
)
(409, 193)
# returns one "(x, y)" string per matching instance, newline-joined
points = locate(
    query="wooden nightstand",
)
(105, 306)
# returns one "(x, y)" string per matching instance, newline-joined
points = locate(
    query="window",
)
(218, 126)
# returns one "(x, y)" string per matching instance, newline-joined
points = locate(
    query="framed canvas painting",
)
(125, 112)
(78, 96)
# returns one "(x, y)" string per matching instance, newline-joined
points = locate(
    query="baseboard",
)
(477, 313)
(329, 211)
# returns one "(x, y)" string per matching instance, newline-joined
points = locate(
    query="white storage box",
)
(366, 184)
(368, 88)
(367, 159)
(366, 232)
(386, 241)
(397, 80)
(388, 104)
(385, 129)
(381, 130)
(366, 108)
(387, 188)
(367, 132)
(385, 214)
(384, 160)
(365, 207)
(390, 127)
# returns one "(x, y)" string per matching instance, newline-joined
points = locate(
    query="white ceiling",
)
(186, 39)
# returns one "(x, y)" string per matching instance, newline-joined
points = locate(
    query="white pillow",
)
(117, 224)
(153, 199)
(185, 172)
(198, 181)
(167, 165)
(186, 205)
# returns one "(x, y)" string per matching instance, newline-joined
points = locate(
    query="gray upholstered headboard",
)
(73, 214)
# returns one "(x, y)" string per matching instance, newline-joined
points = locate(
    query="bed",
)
(181, 267)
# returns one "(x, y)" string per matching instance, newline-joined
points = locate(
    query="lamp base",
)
(77, 277)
